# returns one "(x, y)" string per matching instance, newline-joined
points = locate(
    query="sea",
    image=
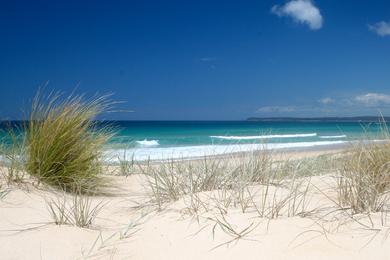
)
(165, 140)
(162, 140)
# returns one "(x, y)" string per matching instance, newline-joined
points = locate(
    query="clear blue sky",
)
(201, 59)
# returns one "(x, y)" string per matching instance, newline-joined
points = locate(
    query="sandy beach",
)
(128, 227)
(195, 130)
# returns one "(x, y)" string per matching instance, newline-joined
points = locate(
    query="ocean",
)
(162, 140)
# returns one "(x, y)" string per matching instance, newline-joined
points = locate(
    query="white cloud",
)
(351, 105)
(326, 101)
(276, 109)
(302, 11)
(381, 28)
(373, 99)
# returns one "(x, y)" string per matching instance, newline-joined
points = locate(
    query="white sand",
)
(26, 231)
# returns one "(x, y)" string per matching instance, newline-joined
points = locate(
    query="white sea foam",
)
(252, 137)
(185, 152)
(148, 142)
(332, 136)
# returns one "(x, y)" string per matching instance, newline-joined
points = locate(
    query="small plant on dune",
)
(58, 210)
(256, 167)
(83, 212)
(126, 165)
(364, 181)
(80, 212)
(232, 231)
(165, 183)
(64, 143)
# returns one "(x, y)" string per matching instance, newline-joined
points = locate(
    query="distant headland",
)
(364, 119)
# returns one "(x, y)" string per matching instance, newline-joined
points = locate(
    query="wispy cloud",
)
(302, 11)
(295, 110)
(326, 101)
(277, 109)
(382, 28)
(358, 101)
(373, 99)
(361, 104)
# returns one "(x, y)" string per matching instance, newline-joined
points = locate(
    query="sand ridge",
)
(127, 228)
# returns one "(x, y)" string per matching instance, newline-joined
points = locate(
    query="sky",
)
(200, 60)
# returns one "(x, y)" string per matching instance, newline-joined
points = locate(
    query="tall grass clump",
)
(64, 143)
(364, 181)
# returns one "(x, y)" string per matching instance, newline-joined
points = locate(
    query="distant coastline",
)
(363, 119)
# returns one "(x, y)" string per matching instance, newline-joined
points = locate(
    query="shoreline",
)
(182, 153)
(117, 155)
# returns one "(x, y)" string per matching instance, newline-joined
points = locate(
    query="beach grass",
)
(80, 211)
(126, 165)
(256, 182)
(365, 178)
(364, 175)
(63, 142)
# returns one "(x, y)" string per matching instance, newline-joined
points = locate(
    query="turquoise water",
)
(144, 140)
(182, 139)
(189, 133)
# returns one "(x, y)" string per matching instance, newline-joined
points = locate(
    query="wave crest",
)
(148, 142)
(169, 153)
(332, 136)
(262, 136)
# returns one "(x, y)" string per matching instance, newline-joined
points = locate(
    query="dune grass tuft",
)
(364, 181)
(126, 165)
(80, 212)
(365, 178)
(64, 143)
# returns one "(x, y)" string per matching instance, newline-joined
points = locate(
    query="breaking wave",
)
(332, 136)
(148, 142)
(185, 152)
(253, 137)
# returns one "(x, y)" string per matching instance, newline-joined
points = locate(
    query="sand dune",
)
(128, 229)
